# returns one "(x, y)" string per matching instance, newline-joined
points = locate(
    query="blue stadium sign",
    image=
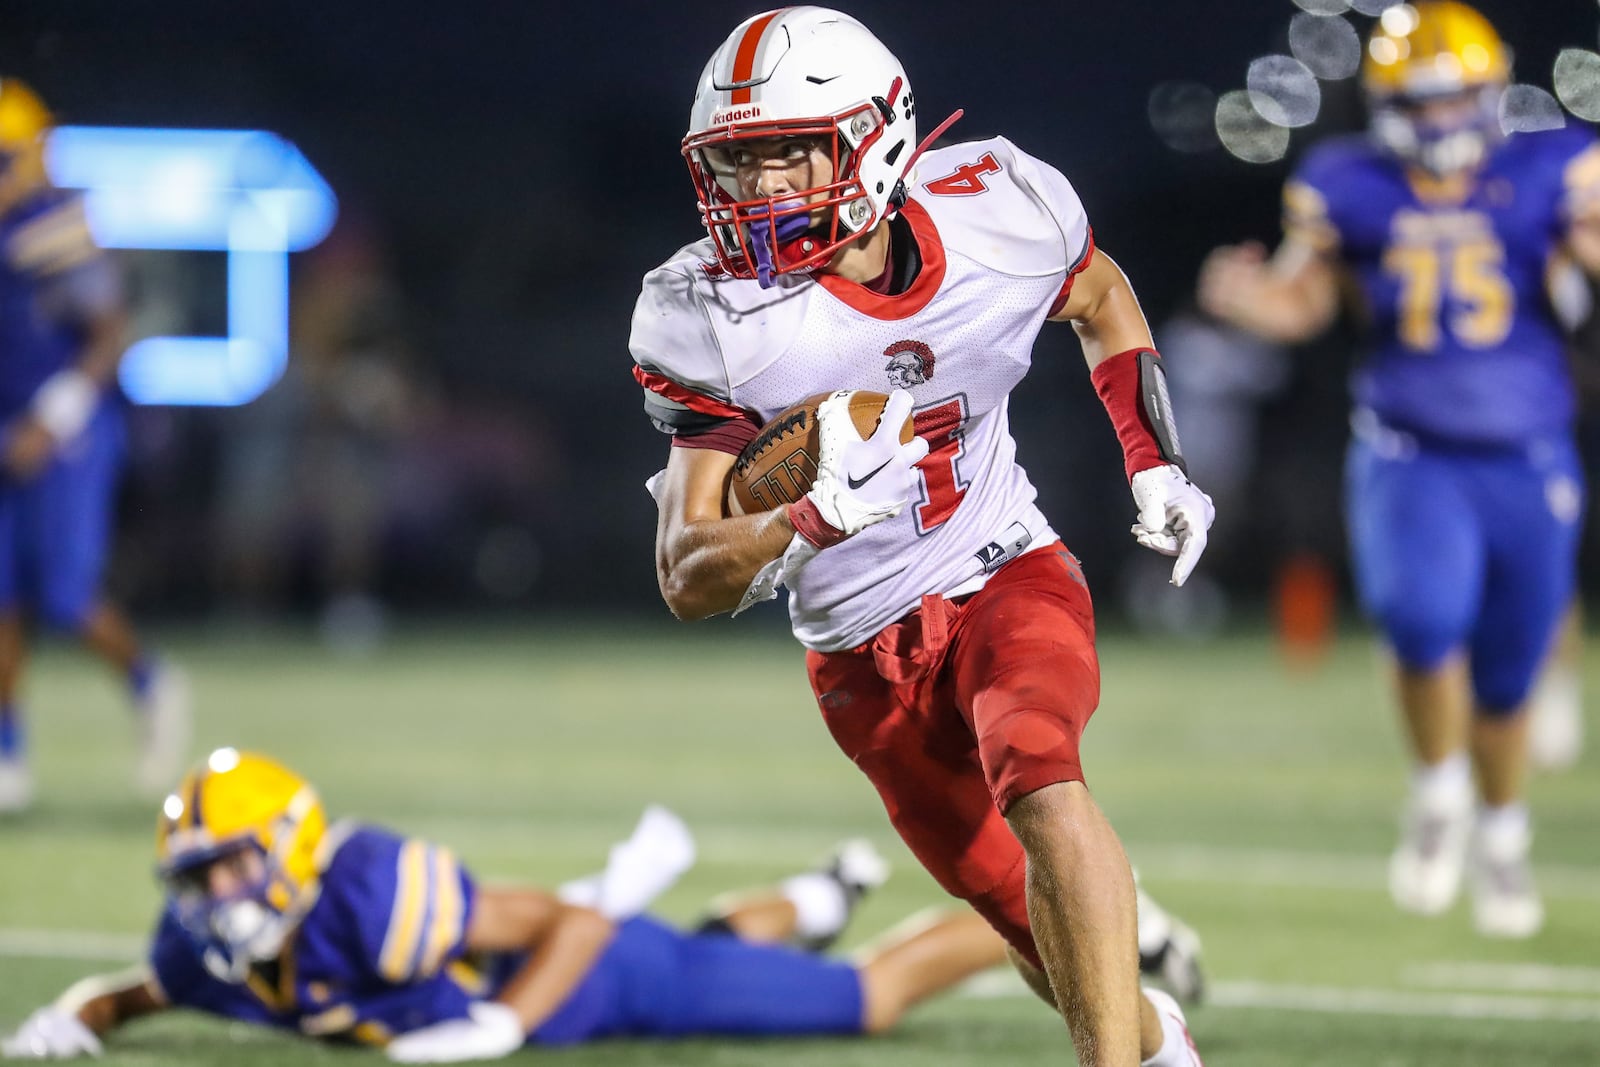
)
(248, 193)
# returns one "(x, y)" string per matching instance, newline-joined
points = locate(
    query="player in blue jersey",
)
(351, 933)
(1463, 488)
(62, 326)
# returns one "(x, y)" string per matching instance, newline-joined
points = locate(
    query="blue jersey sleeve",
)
(407, 903)
(1321, 205)
(175, 962)
(177, 966)
(48, 240)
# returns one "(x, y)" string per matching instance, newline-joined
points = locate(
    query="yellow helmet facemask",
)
(245, 813)
(1434, 75)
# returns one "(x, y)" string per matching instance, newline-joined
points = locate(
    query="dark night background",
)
(508, 171)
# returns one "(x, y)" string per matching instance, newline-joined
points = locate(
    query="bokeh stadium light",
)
(1245, 133)
(1329, 46)
(1528, 109)
(1181, 114)
(1283, 91)
(1323, 7)
(1576, 78)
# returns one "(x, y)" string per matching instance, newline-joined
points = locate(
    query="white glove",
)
(491, 1031)
(639, 869)
(863, 482)
(1173, 517)
(50, 1034)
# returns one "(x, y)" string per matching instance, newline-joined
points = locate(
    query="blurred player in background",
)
(62, 331)
(950, 632)
(1464, 492)
(349, 932)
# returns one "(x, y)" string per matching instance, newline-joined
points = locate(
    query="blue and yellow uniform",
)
(54, 526)
(1464, 490)
(381, 952)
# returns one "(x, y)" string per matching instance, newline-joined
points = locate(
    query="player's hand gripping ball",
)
(780, 465)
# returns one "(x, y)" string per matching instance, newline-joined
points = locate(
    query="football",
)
(778, 466)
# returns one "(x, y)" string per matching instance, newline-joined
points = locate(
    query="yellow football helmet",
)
(1434, 74)
(24, 124)
(230, 803)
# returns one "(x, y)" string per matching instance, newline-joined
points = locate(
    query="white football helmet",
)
(804, 72)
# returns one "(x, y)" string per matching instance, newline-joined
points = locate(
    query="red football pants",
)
(962, 707)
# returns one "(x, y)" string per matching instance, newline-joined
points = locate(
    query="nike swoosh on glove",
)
(1174, 516)
(860, 482)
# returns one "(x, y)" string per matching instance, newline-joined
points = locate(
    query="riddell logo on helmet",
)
(737, 114)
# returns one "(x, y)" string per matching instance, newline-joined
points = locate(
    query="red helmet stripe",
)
(744, 60)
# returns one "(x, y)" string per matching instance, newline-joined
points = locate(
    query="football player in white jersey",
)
(950, 634)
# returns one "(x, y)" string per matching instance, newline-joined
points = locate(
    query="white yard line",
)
(1336, 1000)
(70, 945)
(1504, 977)
(1339, 1001)
(1315, 870)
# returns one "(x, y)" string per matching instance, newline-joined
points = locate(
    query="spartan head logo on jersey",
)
(910, 363)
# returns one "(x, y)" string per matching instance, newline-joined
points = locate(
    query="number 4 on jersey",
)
(965, 180)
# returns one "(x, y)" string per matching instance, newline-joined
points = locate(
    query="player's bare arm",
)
(1104, 311)
(563, 942)
(1583, 242)
(105, 1002)
(87, 1011)
(1289, 298)
(1173, 515)
(705, 560)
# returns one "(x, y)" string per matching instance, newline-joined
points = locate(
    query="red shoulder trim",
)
(1072, 272)
(690, 399)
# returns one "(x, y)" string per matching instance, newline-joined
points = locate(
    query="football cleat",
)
(165, 725)
(1505, 901)
(16, 786)
(1555, 719)
(1169, 951)
(859, 868)
(1426, 867)
(1183, 1054)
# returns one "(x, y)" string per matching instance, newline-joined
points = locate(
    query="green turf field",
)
(1257, 802)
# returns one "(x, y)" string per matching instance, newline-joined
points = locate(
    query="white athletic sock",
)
(1444, 783)
(1175, 1050)
(1508, 822)
(820, 907)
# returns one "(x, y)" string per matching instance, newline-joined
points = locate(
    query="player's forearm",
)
(1281, 310)
(705, 567)
(563, 957)
(103, 1002)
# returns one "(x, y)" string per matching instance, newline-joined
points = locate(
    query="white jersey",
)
(1000, 235)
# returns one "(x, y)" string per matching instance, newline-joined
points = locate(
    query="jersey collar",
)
(860, 298)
